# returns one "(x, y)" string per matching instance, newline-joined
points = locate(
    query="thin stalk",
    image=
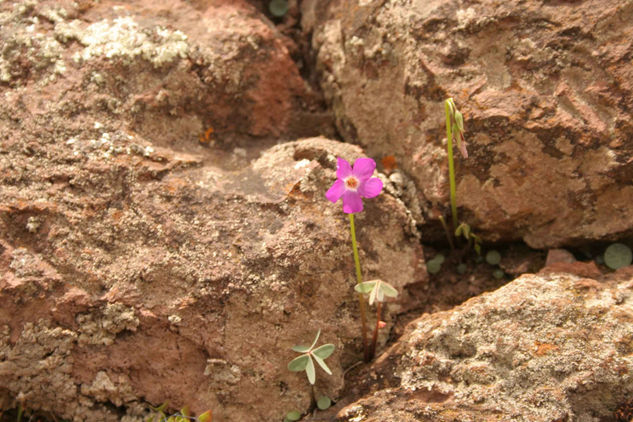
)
(449, 236)
(451, 165)
(359, 279)
(374, 339)
(20, 411)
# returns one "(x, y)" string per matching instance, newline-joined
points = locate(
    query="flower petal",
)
(370, 188)
(352, 202)
(336, 191)
(364, 168)
(343, 169)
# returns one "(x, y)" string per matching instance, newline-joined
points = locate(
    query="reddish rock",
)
(546, 93)
(542, 348)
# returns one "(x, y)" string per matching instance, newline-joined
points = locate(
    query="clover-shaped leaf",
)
(377, 290)
(305, 362)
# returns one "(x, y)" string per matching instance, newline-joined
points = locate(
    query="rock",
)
(559, 255)
(147, 259)
(547, 109)
(156, 276)
(175, 72)
(542, 348)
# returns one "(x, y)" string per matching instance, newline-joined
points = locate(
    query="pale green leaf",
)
(388, 290)
(324, 402)
(301, 349)
(372, 296)
(315, 339)
(310, 372)
(380, 295)
(322, 364)
(324, 351)
(299, 363)
(365, 287)
(293, 416)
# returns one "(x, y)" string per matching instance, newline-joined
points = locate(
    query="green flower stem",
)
(451, 165)
(374, 340)
(359, 279)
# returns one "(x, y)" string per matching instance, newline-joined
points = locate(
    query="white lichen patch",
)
(124, 39)
(102, 328)
(104, 389)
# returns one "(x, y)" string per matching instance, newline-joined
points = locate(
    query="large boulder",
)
(144, 259)
(545, 88)
(141, 278)
(543, 348)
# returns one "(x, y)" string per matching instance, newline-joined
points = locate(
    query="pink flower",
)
(354, 183)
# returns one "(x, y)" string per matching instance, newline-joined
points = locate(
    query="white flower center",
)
(351, 183)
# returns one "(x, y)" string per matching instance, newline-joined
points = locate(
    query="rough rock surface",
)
(141, 264)
(549, 348)
(545, 88)
(134, 279)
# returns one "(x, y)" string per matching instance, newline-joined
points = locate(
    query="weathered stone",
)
(542, 348)
(187, 284)
(145, 259)
(546, 93)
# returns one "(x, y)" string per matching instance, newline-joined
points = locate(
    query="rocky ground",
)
(164, 235)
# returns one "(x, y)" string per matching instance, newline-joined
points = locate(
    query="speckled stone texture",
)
(545, 88)
(141, 263)
(543, 348)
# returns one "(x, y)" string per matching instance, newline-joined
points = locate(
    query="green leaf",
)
(372, 296)
(618, 255)
(324, 351)
(293, 416)
(459, 121)
(205, 417)
(458, 230)
(315, 339)
(433, 266)
(365, 287)
(278, 8)
(493, 257)
(301, 349)
(310, 372)
(298, 364)
(324, 402)
(440, 258)
(322, 364)
(185, 411)
(478, 248)
(388, 290)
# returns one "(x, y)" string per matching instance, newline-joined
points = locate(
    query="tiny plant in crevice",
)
(305, 362)
(377, 290)
(184, 415)
(455, 132)
(278, 8)
(354, 183)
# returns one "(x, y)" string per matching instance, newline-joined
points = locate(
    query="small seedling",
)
(377, 290)
(493, 257)
(305, 362)
(618, 255)
(324, 403)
